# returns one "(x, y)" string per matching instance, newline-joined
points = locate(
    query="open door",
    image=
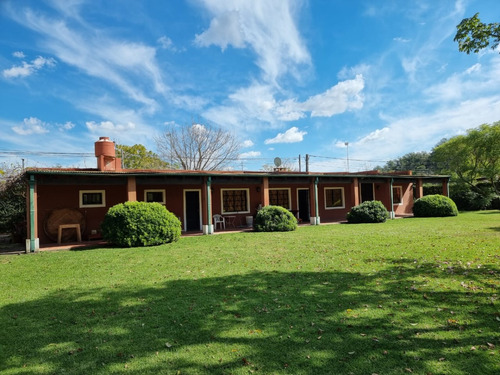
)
(192, 210)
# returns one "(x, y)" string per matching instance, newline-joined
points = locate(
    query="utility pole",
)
(300, 166)
(347, 150)
(307, 163)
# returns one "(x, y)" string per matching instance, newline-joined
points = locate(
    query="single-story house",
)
(64, 202)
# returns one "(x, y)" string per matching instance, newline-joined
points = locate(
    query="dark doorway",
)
(192, 210)
(367, 192)
(304, 205)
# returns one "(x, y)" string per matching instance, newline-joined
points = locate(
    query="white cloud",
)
(250, 154)
(423, 132)
(340, 98)
(247, 143)
(66, 126)
(224, 30)
(257, 102)
(89, 49)
(27, 69)
(31, 125)
(267, 27)
(109, 127)
(19, 54)
(292, 135)
(165, 42)
(401, 40)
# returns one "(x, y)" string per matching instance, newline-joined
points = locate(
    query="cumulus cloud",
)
(292, 135)
(266, 27)
(31, 125)
(258, 102)
(19, 54)
(224, 30)
(247, 143)
(28, 68)
(250, 154)
(109, 127)
(66, 126)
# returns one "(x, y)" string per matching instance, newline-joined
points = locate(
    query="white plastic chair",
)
(218, 219)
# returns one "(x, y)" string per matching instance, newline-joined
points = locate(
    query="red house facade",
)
(59, 199)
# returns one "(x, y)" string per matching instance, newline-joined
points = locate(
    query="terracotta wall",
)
(52, 197)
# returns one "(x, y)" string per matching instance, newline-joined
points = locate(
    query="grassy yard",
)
(407, 296)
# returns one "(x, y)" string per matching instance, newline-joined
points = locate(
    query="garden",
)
(415, 295)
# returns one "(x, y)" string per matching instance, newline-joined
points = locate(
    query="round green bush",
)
(368, 212)
(434, 206)
(274, 219)
(140, 224)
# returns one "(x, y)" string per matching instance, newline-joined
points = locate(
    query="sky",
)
(286, 77)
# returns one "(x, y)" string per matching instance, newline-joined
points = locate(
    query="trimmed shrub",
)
(434, 206)
(140, 224)
(274, 219)
(468, 200)
(368, 212)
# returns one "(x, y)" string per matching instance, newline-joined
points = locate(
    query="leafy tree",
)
(419, 162)
(12, 200)
(474, 157)
(138, 157)
(199, 147)
(474, 35)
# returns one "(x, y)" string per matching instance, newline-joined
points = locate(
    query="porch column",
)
(32, 244)
(420, 188)
(264, 195)
(392, 199)
(315, 220)
(446, 187)
(131, 189)
(355, 191)
(208, 227)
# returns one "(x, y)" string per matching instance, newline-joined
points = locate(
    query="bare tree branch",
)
(198, 147)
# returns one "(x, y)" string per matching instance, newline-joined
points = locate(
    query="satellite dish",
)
(277, 162)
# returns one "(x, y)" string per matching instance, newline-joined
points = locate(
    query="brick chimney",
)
(106, 157)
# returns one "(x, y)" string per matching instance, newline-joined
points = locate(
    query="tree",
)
(198, 147)
(474, 35)
(138, 157)
(473, 157)
(12, 200)
(419, 162)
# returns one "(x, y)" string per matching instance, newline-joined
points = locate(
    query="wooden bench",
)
(69, 226)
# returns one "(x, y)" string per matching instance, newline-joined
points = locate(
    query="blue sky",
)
(287, 77)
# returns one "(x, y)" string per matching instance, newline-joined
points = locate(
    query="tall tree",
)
(473, 157)
(419, 162)
(474, 35)
(12, 199)
(138, 157)
(198, 147)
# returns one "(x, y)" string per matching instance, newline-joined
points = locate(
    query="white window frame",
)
(289, 196)
(400, 188)
(162, 191)
(343, 197)
(82, 192)
(247, 192)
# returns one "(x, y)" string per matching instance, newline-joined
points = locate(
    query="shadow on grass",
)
(392, 321)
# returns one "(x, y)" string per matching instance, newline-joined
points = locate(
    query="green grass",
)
(407, 296)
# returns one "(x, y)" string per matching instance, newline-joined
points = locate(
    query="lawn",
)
(407, 296)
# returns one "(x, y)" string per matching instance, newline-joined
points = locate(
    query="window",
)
(397, 194)
(280, 197)
(235, 200)
(92, 198)
(154, 196)
(334, 198)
